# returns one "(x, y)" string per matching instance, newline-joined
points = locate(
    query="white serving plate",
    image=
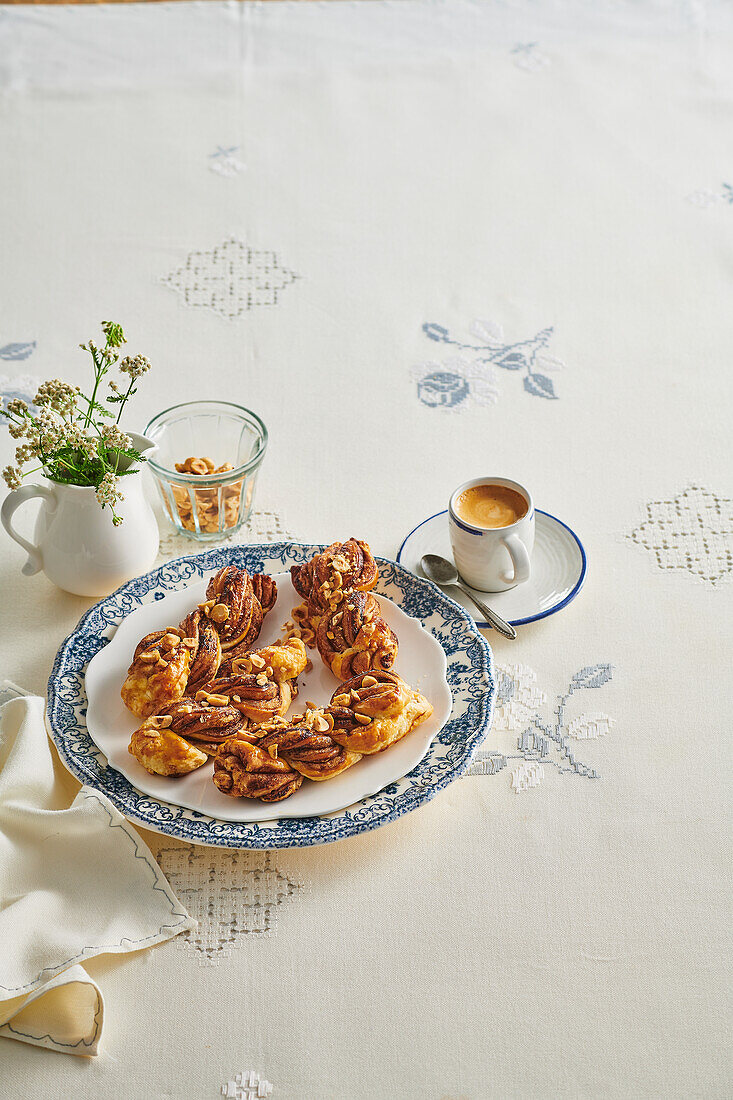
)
(420, 661)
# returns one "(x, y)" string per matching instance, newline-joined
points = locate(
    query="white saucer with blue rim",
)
(558, 569)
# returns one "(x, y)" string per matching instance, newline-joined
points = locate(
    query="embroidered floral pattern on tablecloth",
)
(260, 527)
(230, 893)
(692, 531)
(225, 162)
(230, 279)
(542, 742)
(705, 197)
(247, 1086)
(469, 376)
(529, 57)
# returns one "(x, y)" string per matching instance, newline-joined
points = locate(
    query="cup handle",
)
(520, 560)
(13, 500)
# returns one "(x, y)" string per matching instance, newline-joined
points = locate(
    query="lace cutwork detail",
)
(230, 279)
(247, 1086)
(230, 893)
(260, 527)
(692, 532)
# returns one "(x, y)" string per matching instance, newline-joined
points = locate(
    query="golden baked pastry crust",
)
(282, 661)
(355, 638)
(158, 674)
(163, 752)
(232, 605)
(257, 697)
(305, 742)
(342, 567)
(243, 770)
(375, 710)
(206, 650)
(204, 724)
(265, 589)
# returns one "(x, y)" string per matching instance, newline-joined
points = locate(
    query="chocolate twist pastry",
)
(340, 568)
(161, 751)
(243, 770)
(257, 697)
(283, 661)
(206, 652)
(373, 711)
(206, 724)
(158, 673)
(233, 605)
(265, 590)
(305, 742)
(355, 638)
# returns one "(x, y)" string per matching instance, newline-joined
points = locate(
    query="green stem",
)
(124, 399)
(98, 372)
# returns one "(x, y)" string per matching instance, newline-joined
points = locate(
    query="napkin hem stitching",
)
(125, 943)
(57, 1042)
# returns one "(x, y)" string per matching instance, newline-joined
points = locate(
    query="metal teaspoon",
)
(443, 572)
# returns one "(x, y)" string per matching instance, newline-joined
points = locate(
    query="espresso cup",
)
(492, 537)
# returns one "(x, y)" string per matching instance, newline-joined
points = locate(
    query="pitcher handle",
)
(520, 559)
(12, 501)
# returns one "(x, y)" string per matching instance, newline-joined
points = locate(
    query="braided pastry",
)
(305, 742)
(158, 673)
(256, 697)
(342, 567)
(161, 751)
(244, 770)
(231, 603)
(205, 724)
(206, 653)
(280, 662)
(355, 638)
(265, 590)
(374, 710)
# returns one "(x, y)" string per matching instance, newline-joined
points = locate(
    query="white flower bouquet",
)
(75, 439)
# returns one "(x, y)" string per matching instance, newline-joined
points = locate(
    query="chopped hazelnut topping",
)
(217, 700)
(160, 721)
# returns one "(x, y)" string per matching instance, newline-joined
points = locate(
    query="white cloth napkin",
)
(75, 881)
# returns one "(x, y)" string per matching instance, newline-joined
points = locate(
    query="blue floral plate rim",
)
(470, 676)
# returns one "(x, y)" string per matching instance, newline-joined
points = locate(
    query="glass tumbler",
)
(209, 453)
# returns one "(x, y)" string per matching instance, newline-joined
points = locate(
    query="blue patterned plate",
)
(469, 674)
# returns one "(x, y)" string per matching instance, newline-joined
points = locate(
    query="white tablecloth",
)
(537, 166)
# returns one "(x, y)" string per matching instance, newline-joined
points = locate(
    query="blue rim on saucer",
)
(545, 612)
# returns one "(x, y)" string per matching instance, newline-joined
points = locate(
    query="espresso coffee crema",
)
(491, 505)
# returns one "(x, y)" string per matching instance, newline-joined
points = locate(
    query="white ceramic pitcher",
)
(75, 542)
